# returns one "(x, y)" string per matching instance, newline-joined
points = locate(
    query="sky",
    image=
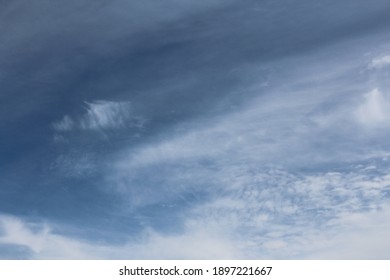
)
(185, 129)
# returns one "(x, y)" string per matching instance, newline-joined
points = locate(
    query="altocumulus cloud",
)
(264, 214)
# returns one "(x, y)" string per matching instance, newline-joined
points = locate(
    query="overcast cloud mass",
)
(185, 129)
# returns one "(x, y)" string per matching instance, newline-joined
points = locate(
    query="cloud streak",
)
(101, 115)
(105, 114)
(380, 62)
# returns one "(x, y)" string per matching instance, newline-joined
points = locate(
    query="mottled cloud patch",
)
(285, 215)
(262, 214)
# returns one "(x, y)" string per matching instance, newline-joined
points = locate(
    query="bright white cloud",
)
(39, 239)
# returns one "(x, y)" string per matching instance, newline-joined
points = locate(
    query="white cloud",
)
(280, 215)
(254, 208)
(259, 167)
(380, 62)
(262, 215)
(101, 115)
(39, 239)
(195, 243)
(375, 109)
(300, 124)
(359, 236)
(105, 114)
(75, 164)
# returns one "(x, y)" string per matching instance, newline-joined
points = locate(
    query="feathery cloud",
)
(374, 110)
(380, 62)
(101, 115)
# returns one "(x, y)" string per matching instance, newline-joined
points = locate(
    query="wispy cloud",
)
(375, 109)
(105, 114)
(73, 165)
(65, 124)
(42, 243)
(380, 62)
(101, 115)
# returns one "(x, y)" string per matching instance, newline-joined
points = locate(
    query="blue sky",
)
(190, 130)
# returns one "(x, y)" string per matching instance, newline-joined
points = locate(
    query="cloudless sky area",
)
(184, 129)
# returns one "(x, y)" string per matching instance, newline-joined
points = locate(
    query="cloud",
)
(277, 177)
(285, 215)
(380, 62)
(40, 242)
(104, 115)
(360, 236)
(263, 214)
(281, 175)
(75, 165)
(375, 109)
(194, 243)
(66, 124)
(101, 115)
